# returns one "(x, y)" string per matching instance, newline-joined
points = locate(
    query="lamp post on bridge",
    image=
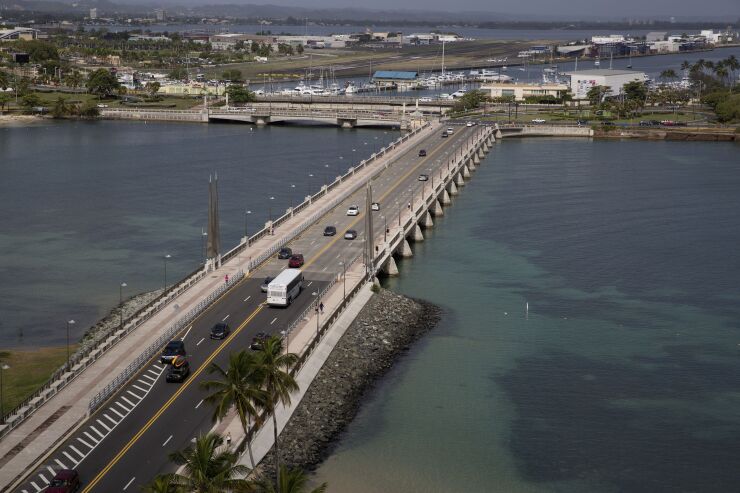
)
(120, 301)
(69, 323)
(204, 237)
(344, 279)
(272, 230)
(3, 367)
(166, 258)
(246, 231)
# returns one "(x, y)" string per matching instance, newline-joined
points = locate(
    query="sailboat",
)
(629, 64)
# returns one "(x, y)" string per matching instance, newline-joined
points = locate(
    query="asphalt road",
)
(128, 440)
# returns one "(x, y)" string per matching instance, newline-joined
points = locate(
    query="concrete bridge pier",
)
(459, 180)
(261, 120)
(346, 123)
(453, 188)
(390, 268)
(480, 154)
(465, 171)
(416, 235)
(404, 249)
(437, 209)
(485, 145)
(427, 221)
(498, 134)
(471, 165)
(476, 159)
(446, 197)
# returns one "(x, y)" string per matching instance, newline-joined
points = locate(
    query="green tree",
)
(668, 75)
(470, 100)
(153, 88)
(635, 91)
(178, 73)
(89, 110)
(237, 387)
(240, 94)
(299, 49)
(102, 83)
(60, 108)
(289, 481)
(39, 51)
(254, 47)
(233, 74)
(209, 467)
(596, 94)
(74, 79)
(163, 483)
(277, 383)
(728, 109)
(4, 100)
(4, 80)
(29, 101)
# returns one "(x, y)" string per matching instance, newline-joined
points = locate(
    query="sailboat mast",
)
(443, 57)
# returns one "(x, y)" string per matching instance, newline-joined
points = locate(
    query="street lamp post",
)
(292, 192)
(272, 231)
(204, 236)
(344, 278)
(326, 175)
(120, 301)
(166, 257)
(246, 232)
(308, 184)
(317, 319)
(69, 323)
(3, 367)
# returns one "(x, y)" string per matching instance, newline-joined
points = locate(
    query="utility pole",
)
(369, 243)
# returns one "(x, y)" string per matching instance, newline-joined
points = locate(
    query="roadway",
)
(126, 442)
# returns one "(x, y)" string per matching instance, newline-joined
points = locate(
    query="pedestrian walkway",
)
(31, 441)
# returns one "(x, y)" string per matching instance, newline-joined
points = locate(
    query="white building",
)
(583, 80)
(93, 13)
(605, 40)
(522, 91)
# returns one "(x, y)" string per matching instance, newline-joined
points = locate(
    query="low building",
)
(193, 89)
(23, 33)
(665, 47)
(520, 92)
(400, 79)
(656, 36)
(583, 80)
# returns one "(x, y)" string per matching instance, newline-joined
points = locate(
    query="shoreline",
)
(383, 331)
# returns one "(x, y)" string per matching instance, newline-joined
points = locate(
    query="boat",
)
(350, 88)
(597, 63)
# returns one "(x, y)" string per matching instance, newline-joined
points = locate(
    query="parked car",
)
(608, 123)
(423, 177)
(444, 134)
(266, 283)
(258, 340)
(422, 152)
(330, 231)
(285, 253)
(350, 234)
(353, 210)
(581, 122)
(172, 350)
(220, 330)
(538, 121)
(296, 261)
(178, 370)
(425, 100)
(375, 206)
(64, 481)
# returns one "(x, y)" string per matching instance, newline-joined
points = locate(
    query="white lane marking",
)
(51, 471)
(72, 460)
(224, 319)
(35, 486)
(103, 425)
(187, 332)
(119, 414)
(77, 451)
(167, 441)
(123, 407)
(129, 483)
(92, 438)
(307, 285)
(139, 388)
(273, 320)
(247, 298)
(198, 404)
(135, 395)
(314, 241)
(96, 431)
(200, 341)
(111, 419)
(60, 463)
(83, 442)
(43, 479)
(24, 491)
(152, 372)
(149, 381)
(128, 401)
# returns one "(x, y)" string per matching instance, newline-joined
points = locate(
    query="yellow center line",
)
(218, 351)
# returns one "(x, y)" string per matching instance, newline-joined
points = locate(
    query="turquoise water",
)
(624, 373)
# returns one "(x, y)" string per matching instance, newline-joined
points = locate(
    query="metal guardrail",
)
(158, 344)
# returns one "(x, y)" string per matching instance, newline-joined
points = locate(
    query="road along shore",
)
(385, 329)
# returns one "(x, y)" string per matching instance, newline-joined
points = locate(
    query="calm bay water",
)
(86, 206)
(623, 375)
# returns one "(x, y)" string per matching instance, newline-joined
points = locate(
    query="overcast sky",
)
(573, 9)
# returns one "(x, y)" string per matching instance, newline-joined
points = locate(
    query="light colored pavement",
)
(26, 444)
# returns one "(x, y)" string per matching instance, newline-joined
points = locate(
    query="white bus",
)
(285, 287)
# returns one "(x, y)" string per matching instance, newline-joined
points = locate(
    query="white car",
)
(423, 177)
(353, 211)
(375, 206)
(350, 234)
(425, 100)
(469, 124)
(538, 120)
(101, 105)
(450, 130)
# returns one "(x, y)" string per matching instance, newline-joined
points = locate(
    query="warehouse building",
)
(583, 80)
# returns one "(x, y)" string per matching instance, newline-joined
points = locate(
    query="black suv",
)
(422, 153)
(285, 253)
(220, 331)
(172, 350)
(258, 340)
(178, 370)
(330, 231)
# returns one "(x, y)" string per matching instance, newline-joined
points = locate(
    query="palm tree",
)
(733, 64)
(237, 387)
(278, 384)
(289, 481)
(209, 467)
(163, 483)
(685, 65)
(669, 74)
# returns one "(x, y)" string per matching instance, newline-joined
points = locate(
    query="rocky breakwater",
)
(384, 329)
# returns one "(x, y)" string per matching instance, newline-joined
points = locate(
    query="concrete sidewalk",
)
(26, 445)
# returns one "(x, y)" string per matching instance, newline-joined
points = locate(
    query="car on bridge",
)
(265, 283)
(444, 134)
(450, 130)
(258, 341)
(422, 152)
(330, 231)
(285, 253)
(65, 481)
(350, 234)
(353, 210)
(179, 370)
(423, 177)
(469, 124)
(172, 350)
(220, 330)
(375, 206)
(296, 261)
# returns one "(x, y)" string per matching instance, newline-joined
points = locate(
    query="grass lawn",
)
(29, 369)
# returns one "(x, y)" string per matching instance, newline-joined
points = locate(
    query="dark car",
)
(581, 122)
(258, 340)
(296, 260)
(220, 331)
(444, 134)
(644, 123)
(65, 481)
(179, 370)
(172, 350)
(423, 177)
(607, 123)
(350, 234)
(285, 253)
(422, 153)
(330, 231)
(266, 283)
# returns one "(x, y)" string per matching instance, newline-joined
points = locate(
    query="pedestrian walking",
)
(226, 278)
(228, 439)
(321, 307)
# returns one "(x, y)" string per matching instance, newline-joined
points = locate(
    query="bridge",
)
(112, 416)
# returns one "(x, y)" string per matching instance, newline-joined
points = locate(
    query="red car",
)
(296, 260)
(66, 481)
